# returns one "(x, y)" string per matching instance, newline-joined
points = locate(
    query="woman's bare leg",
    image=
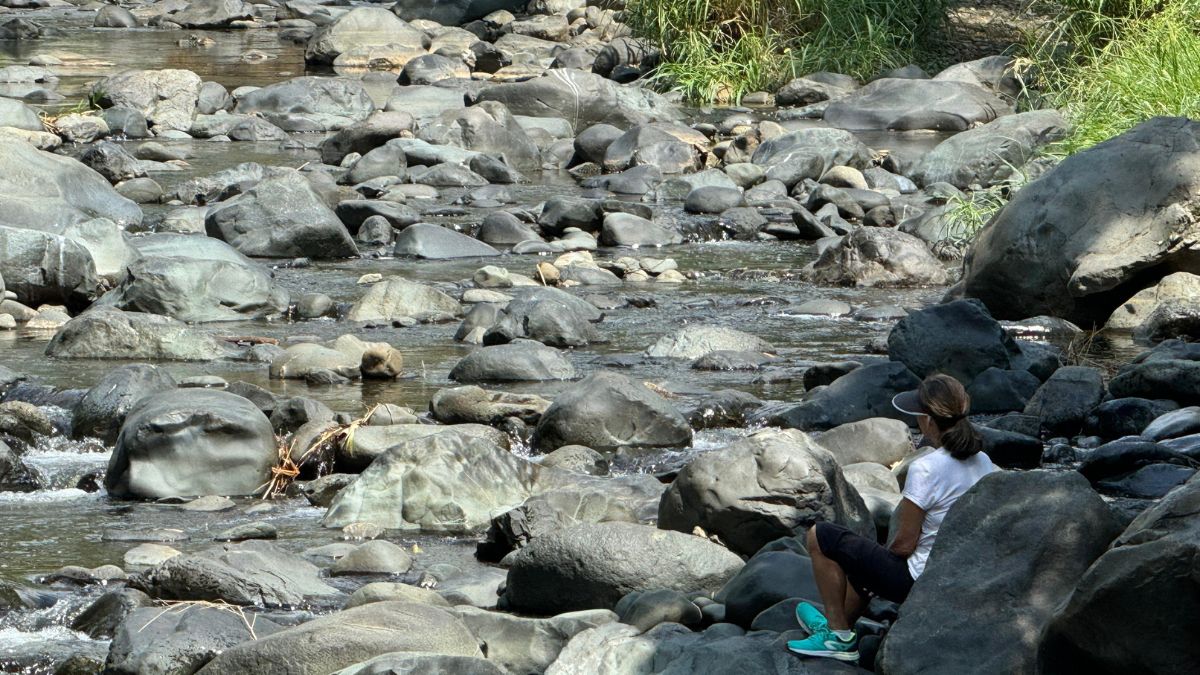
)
(831, 582)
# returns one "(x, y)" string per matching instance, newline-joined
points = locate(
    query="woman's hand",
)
(909, 531)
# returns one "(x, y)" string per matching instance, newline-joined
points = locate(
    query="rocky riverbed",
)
(427, 338)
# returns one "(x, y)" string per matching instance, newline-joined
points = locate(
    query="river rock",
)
(472, 404)
(300, 361)
(198, 291)
(245, 573)
(527, 645)
(775, 573)
(771, 485)
(113, 334)
(40, 268)
(17, 115)
(1056, 249)
(878, 440)
(172, 443)
(959, 339)
(167, 98)
(178, 639)
(102, 410)
(455, 12)
(357, 452)
(211, 13)
(487, 128)
(1174, 379)
(626, 229)
(415, 663)
(582, 99)
(396, 298)
(548, 315)
(861, 394)
(1147, 574)
(373, 557)
(102, 618)
(993, 153)
(606, 411)
(1172, 424)
(384, 591)
(348, 637)
(909, 105)
(309, 103)
(281, 217)
(449, 483)
(1007, 556)
(15, 476)
(361, 27)
(878, 257)
(628, 499)
(45, 191)
(366, 135)
(434, 242)
(1122, 417)
(1065, 400)
(1151, 312)
(518, 361)
(694, 341)
(999, 391)
(592, 566)
(810, 153)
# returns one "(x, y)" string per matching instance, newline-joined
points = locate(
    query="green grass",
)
(719, 50)
(1111, 65)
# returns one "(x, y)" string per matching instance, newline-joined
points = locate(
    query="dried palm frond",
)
(286, 469)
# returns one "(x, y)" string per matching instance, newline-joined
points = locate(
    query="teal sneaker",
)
(811, 619)
(826, 645)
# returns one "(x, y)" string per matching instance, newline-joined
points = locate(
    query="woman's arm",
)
(909, 531)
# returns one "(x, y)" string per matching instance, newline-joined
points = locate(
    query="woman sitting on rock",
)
(850, 568)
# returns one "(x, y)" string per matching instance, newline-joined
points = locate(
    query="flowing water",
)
(739, 284)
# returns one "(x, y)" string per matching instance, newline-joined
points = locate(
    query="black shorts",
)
(870, 568)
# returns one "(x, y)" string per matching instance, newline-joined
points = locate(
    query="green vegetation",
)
(720, 50)
(1110, 65)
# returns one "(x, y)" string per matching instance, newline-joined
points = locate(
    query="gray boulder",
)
(878, 440)
(909, 105)
(281, 217)
(1174, 379)
(366, 135)
(102, 410)
(198, 291)
(771, 485)
(487, 128)
(474, 405)
(449, 483)
(15, 476)
(517, 361)
(551, 316)
(434, 242)
(878, 257)
(694, 341)
(453, 12)
(1163, 311)
(990, 154)
(252, 572)
(416, 663)
(211, 13)
(166, 641)
(167, 98)
(17, 115)
(527, 645)
(346, 638)
(606, 411)
(1007, 555)
(1147, 574)
(191, 442)
(361, 27)
(1063, 403)
(114, 16)
(581, 98)
(43, 268)
(592, 566)
(113, 334)
(861, 394)
(626, 229)
(309, 103)
(396, 298)
(45, 191)
(1076, 243)
(810, 153)
(959, 339)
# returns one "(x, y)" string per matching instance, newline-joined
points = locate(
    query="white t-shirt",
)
(934, 483)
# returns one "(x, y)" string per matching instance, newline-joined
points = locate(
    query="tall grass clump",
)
(1111, 65)
(719, 50)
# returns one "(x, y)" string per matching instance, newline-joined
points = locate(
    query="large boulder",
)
(606, 411)
(167, 98)
(178, 639)
(44, 268)
(450, 483)
(17, 115)
(247, 573)
(1082, 239)
(694, 341)
(345, 638)
(361, 27)
(778, 571)
(488, 128)
(879, 440)
(44, 191)
(309, 103)
(810, 153)
(419, 663)
(583, 99)
(990, 154)
(281, 217)
(1174, 379)
(192, 442)
(910, 105)
(551, 316)
(113, 334)
(396, 298)
(861, 394)
(434, 242)
(358, 452)
(517, 361)
(198, 291)
(527, 645)
(102, 410)
(959, 339)
(1163, 311)
(1007, 555)
(211, 13)
(773, 484)
(453, 12)
(592, 566)
(1063, 403)
(878, 257)
(1146, 579)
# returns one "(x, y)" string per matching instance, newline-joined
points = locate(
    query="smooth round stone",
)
(258, 530)
(883, 313)
(208, 503)
(204, 382)
(148, 555)
(314, 305)
(824, 308)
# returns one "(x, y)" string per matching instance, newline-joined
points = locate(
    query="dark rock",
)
(646, 609)
(582, 99)
(878, 257)
(102, 410)
(548, 315)
(1131, 416)
(860, 394)
(518, 361)
(606, 411)
(990, 154)
(770, 576)
(959, 339)
(1064, 401)
(1011, 450)
(999, 391)
(178, 640)
(1120, 458)
(908, 105)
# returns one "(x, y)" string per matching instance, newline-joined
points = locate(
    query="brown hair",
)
(947, 403)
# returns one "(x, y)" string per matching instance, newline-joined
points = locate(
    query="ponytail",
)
(947, 404)
(961, 440)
